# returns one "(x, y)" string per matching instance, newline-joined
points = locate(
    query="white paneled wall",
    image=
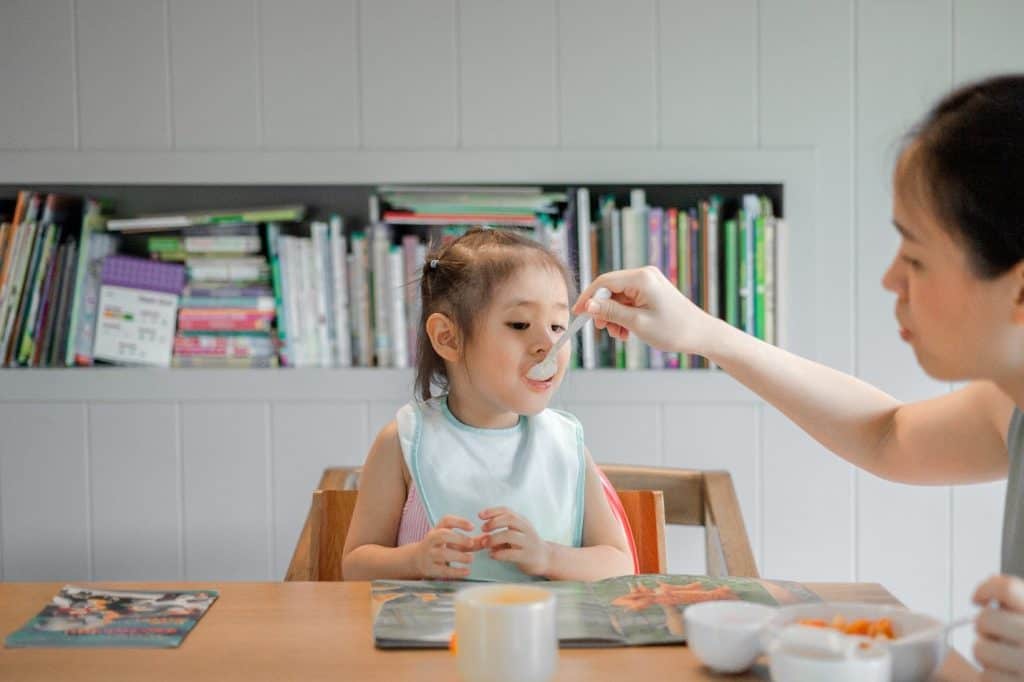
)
(168, 476)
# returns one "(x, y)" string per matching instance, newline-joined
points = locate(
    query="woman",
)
(959, 283)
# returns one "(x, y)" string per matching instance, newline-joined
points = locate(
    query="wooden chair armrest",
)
(727, 544)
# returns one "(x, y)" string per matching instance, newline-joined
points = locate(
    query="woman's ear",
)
(444, 336)
(1017, 280)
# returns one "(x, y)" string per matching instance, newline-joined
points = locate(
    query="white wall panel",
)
(44, 492)
(986, 38)
(227, 491)
(309, 52)
(508, 62)
(610, 442)
(725, 437)
(124, 91)
(135, 473)
(408, 62)
(37, 75)
(808, 506)
(214, 75)
(607, 77)
(306, 438)
(707, 86)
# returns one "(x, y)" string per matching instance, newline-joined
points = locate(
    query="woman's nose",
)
(892, 279)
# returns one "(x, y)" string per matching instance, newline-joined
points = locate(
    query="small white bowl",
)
(913, 661)
(726, 635)
(804, 654)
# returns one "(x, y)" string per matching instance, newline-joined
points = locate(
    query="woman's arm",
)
(605, 551)
(956, 438)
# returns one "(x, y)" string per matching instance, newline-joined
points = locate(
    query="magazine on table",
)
(90, 617)
(631, 610)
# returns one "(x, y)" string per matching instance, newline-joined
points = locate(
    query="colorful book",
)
(93, 618)
(631, 610)
(216, 217)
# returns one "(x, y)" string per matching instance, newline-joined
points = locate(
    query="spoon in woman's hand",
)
(546, 368)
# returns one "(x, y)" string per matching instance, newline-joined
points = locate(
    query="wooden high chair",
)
(680, 496)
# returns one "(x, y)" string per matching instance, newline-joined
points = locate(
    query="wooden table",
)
(322, 631)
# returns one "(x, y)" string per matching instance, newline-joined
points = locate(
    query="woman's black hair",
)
(968, 155)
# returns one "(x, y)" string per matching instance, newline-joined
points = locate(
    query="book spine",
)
(37, 339)
(222, 244)
(310, 313)
(731, 274)
(759, 278)
(339, 284)
(60, 340)
(671, 233)
(361, 298)
(683, 244)
(618, 346)
(12, 284)
(396, 315)
(291, 276)
(324, 294)
(379, 246)
(585, 256)
(655, 258)
(22, 352)
(769, 279)
(413, 258)
(11, 349)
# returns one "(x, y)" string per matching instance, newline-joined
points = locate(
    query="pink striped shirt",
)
(414, 525)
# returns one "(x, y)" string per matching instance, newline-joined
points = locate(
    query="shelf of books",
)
(304, 277)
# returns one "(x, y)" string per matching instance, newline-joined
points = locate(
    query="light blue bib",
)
(536, 469)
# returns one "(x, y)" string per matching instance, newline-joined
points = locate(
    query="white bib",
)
(536, 469)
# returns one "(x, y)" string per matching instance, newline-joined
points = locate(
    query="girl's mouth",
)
(539, 386)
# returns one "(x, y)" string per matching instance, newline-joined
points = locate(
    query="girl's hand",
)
(518, 543)
(442, 546)
(1000, 627)
(645, 303)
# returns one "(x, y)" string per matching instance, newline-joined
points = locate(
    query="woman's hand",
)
(645, 303)
(518, 543)
(442, 546)
(1000, 627)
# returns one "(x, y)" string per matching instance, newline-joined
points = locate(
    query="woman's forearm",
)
(587, 563)
(843, 413)
(377, 562)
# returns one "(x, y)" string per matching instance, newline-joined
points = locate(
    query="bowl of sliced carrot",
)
(915, 660)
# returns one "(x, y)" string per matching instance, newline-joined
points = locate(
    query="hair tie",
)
(433, 264)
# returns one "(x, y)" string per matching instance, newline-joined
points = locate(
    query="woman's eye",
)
(519, 326)
(912, 262)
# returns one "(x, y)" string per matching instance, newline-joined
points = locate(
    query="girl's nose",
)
(543, 342)
(893, 279)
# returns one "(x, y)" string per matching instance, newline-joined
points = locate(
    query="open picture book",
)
(630, 610)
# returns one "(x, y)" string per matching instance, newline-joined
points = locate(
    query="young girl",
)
(483, 481)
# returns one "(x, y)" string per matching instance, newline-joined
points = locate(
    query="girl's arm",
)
(370, 552)
(605, 551)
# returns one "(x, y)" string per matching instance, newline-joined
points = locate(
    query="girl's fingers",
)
(507, 520)
(511, 555)
(491, 512)
(514, 538)
(450, 572)
(450, 556)
(458, 541)
(456, 522)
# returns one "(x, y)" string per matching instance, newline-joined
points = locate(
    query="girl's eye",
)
(557, 328)
(519, 326)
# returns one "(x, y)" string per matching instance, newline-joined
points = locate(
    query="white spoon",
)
(546, 368)
(929, 633)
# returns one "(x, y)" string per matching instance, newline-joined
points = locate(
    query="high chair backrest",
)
(688, 497)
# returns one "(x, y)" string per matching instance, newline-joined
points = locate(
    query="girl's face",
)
(959, 325)
(527, 315)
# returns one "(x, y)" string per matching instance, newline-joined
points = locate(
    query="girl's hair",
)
(968, 156)
(459, 280)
